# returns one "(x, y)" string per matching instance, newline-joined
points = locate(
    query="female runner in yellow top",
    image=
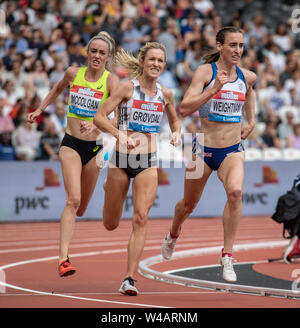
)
(89, 87)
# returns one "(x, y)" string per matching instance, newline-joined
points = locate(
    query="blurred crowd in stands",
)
(42, 38)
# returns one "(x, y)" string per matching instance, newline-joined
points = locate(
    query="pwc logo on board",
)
(268, 176)
(51, 179)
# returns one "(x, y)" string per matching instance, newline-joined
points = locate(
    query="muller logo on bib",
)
(229, 95)
(147, 105)
(86, 91)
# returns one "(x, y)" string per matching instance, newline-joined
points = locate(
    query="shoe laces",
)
(65, 263)
(130, 281)
(227, 262)
(170, 241)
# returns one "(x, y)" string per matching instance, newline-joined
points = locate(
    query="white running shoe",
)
(168, 246)
(228, 271)
(127, 287)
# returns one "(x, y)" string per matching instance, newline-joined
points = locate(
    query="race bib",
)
(145, 116)
(226, 106)
(84, 101)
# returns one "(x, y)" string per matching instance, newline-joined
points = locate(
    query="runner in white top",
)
(141, 103)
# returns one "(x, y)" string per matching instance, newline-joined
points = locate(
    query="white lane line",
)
(184, 243)
(118, 294)
(81, 298)
(4, 284)
(2, 279)
(87, 245)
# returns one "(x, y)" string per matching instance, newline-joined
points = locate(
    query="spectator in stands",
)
(277, 58)
(6, 122)
(294, 139)
(26, 141)
(282, 38)
(205, 7)
(34, 104)
(290, 67)
(189, 24)
(2, 47)
(237, 19)
(73, 9)
(286, 128)
(146, 8)
(24, 9)
(7, 152)
(45, 21)
(9, 94)
(169, 38)
(132, 38)
(270, 137)
(59, 118)
(19, 111)
(258, 30)
(38, 79)
(251, 57)
(38, 41)
(50, 141)
(162, 9)
(129, 8)
(293, 83)
(57, 72)
(276, 98)
(17, 39)
(10, 55)
(76, 57)
(33, 22)
(19, 78)
(29, 59)
(60, 44)
(193, 59)
(267, 75)
(49, 58)
(254, 140)
(106, 17)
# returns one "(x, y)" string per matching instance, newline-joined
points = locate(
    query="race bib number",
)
(146, 116)
(84, 101)
(226, 106)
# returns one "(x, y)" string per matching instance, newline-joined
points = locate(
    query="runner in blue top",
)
(142, 102)
(222, 92)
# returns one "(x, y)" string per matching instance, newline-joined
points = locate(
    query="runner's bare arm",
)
(118, 96)
(249, 106)
(113, 83)
(67, 79)
(195, 97)
(173, 120)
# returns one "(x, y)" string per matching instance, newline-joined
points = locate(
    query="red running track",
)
(28, 252)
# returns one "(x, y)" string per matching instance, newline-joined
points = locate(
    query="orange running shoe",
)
(65, 268)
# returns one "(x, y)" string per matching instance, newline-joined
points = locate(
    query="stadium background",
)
(42, 38)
